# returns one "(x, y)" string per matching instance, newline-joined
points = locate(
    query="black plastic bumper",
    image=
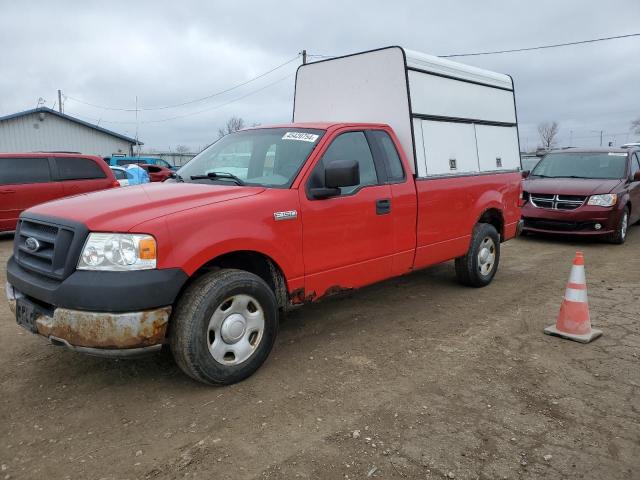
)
(101, 291)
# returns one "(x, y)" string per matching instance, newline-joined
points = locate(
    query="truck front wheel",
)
(224, 326)
(478, 267)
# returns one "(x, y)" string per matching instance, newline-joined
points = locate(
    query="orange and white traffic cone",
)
(573, 321)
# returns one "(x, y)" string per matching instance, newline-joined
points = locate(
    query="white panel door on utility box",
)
(449, 148)
(438, 96)
(497, 148)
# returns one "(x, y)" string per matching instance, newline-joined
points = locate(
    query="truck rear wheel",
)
(224, 326)
(478, 267)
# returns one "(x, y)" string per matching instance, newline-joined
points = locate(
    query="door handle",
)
(383, 206)
(7, 191)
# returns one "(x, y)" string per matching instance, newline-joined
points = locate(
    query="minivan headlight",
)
(118, 252)
(605, 200)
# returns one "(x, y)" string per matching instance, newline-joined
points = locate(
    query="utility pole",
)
(60, 101)
(137, 144)
(304, 57)
(601, 132)
(571, 138)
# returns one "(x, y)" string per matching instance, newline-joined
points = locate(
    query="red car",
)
(156, 172)
(27, 179)
(591, 192)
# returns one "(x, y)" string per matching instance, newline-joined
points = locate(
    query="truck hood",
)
(120, 209)
(570, 186)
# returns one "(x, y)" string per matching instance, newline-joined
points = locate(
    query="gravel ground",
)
(416, 377)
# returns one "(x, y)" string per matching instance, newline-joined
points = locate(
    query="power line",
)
(593, 40)
(222, 104)
(189, 102)
(540, 47)
(253, 92)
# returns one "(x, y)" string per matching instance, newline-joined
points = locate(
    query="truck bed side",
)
(449, 207)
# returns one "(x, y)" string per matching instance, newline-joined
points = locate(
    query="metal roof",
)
(70, 118)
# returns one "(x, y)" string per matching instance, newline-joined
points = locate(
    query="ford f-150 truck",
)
(412, 160)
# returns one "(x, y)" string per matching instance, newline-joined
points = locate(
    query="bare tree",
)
(182, 149)
(635, 126)
(233, 125)
(548, 133)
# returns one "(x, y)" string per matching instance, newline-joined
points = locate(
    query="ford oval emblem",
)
(32, 244)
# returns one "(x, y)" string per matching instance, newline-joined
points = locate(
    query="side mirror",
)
(636, 176)
(342, 173)
(339, 173)
(525, 173)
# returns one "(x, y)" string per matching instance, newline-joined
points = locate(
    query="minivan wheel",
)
(620, 234)
(224, 327)
(478, 267)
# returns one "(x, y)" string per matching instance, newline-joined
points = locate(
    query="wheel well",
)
(493, 216)
(253, 262)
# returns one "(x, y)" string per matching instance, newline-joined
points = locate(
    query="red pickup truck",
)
(263, 219)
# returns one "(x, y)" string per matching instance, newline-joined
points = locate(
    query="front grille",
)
(43, 247)
(559, 225)
(556, 202)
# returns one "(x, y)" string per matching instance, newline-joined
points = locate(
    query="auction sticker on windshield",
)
(300, 136)
(617, 154)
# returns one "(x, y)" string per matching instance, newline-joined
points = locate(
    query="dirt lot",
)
(414, 378)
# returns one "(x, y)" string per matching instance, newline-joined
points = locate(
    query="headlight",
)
(118, 251)
(605, 200)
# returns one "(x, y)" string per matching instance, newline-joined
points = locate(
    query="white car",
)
(121, 176)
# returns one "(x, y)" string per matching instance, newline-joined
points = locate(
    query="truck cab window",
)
(387, 149)
(348, 146)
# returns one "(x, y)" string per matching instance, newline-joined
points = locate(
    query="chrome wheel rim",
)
(623, 227)
(235, 329)
(486, 256)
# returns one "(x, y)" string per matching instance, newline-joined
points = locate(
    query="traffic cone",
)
(573, 320)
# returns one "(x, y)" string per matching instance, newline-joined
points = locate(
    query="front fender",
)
(199, 235)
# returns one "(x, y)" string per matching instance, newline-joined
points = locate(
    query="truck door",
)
(403, 198)
(347, 239)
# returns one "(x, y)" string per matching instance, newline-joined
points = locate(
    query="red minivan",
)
(27, 179)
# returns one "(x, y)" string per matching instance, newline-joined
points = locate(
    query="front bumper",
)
(581, 221)
(96, 333)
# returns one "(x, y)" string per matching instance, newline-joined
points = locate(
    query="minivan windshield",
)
(607, 165)
(268, 157)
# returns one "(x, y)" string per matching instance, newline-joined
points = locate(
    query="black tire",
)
(468, 267)
(620, 234)
(190, 335)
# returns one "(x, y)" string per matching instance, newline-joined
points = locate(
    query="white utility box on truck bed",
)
(452, 119)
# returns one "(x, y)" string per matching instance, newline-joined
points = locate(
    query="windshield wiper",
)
(218, 175)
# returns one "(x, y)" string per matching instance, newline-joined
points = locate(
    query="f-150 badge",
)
(288, 215)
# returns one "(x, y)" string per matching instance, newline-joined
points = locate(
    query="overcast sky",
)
(168, 53)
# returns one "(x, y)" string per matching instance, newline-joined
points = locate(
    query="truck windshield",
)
(582, 165)
(269, 157)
